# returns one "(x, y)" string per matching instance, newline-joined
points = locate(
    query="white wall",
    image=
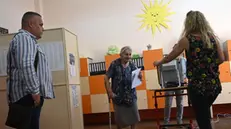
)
(11, 12)
(101, 23)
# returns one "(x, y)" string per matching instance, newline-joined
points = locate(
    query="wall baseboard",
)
(152, 114)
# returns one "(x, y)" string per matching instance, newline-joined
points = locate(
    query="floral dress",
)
(203, 67)
(125, 102)
(122, 82)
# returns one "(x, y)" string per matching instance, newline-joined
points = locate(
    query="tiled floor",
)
(224, 123)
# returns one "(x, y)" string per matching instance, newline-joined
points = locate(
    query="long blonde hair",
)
(196, 22)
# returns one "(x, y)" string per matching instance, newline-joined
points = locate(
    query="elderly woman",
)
(204, 56)
(123, 96)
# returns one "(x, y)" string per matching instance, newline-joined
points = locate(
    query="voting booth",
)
(65, 111)
(171, 74)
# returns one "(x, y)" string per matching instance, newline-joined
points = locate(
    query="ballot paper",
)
(135, 79)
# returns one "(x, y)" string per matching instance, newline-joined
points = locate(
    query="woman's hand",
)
(156, 63)
(185, 81)
(111, 95)
(140, 75)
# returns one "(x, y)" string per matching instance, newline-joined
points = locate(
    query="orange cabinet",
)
(97, 84)
(150, 56)
(86, 101)
(109, 59)
(225, 72)
(84, 67)
(151, 101)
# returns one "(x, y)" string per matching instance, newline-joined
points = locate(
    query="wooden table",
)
(184, 88)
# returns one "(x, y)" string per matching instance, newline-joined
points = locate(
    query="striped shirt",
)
(24, 78)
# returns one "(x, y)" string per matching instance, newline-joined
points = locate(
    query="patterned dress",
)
(203, 67)
(125, 100)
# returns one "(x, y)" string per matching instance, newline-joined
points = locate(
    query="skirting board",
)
(151, 115)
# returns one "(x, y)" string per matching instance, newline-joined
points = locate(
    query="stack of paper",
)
(135, 78)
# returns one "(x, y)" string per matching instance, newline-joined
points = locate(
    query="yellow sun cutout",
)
(155, 15)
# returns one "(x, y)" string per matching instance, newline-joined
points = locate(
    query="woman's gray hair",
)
(125, 49)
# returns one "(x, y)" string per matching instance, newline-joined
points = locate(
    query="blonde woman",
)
(123, 96)
(204, 56)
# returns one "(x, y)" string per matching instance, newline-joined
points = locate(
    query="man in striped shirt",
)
(28, 69)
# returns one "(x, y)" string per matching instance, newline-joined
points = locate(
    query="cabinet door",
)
(224, 97)
(142, 102)
(151, 78)
(84, 70)
(86, 102)
(224, 69)
(100, 104)
(150, 56)
(96, 84)
(84, 84)
(109, 59)
(151, 84)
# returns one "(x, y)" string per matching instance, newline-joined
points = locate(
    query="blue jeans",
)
(28, 101)
(168, 105)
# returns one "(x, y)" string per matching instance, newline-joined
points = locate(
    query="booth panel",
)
(3, 108)
(52, 35)
(61, 112)
(55, 114)
(6, 39)
(72, 57)
(75, 107)
(59, 77)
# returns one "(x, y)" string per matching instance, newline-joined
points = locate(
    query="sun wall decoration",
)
(155, 15)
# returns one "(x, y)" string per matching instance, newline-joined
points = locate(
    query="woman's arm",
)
(177, 50)
(107, 84)
(108, 76)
